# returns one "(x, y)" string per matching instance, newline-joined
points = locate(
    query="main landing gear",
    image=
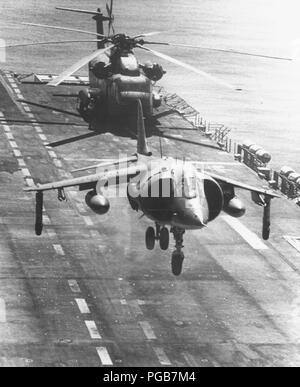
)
(162, 235)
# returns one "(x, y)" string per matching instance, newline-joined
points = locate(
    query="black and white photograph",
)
(150, 186)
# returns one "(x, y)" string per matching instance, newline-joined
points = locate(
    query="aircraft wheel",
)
(150, 238)
(177, 260)
(164, 238)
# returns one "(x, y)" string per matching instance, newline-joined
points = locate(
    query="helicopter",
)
(116, 78)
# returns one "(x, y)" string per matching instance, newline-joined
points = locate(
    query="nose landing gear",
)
(162, 235)
(177, 256)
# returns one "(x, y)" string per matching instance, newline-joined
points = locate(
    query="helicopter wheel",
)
(177, 260)
(150, 238)
(164, 238)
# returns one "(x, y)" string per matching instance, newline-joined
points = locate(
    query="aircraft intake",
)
(234, 207)
(97, 203)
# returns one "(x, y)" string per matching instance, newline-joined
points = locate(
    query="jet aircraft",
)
(175, 194)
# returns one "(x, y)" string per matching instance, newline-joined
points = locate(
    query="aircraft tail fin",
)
(142, 147)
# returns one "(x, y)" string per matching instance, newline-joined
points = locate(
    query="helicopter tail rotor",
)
(109, 9)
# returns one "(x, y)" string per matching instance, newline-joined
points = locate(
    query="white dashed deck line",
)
(17, 153)
(13, 144)
(30, 182)
(162, 357)
(95, 234)
(190, 359)
(88, 221)
(27, 109)
(25, 172)
(2, 311)
(93, 330)
(148, 331)
(21, 163)
(252, 239)
(9, 135)
(6, 128)
(42, 137)
(73, 284)
(59, 250)
(51, 233)
(57, 163)
(82, 306)
(46, 220)
(30, 115)
(104, 356)
(38, 129)
(81, 208)
(123, 302)
(52, 154)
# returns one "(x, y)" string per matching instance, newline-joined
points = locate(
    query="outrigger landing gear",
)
(161, 234)
(177, 256)
(39, 213)
(266, 219)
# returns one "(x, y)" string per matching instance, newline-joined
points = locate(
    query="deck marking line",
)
(59, 250)
(6, 128)
(17, 153)
(26, 172)
(93, 330)
(51, 233)
(294, 241)
(43, 137)
(162, 357)
(9, 135)
(74, 286)
(88, 221)
(52, 154)
(82, 306)
(21, 162)
(252, 239)
(13, 144)
(104, 356)
(2, 311)
(147, 329)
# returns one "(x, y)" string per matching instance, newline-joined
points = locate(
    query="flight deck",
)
(88, 293)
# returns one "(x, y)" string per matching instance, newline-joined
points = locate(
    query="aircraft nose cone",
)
(194, 218)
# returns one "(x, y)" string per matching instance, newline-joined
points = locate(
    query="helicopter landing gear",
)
(177, 256)
(161, 234)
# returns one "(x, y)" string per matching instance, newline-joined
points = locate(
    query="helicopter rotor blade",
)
(149, 34)
(189, 67)
(50, 42)
(78, 65)
(230, 51)
(78, 11)
(64, 29)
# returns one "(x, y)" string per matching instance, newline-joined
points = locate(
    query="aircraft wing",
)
(85, 182)
(235, 183)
